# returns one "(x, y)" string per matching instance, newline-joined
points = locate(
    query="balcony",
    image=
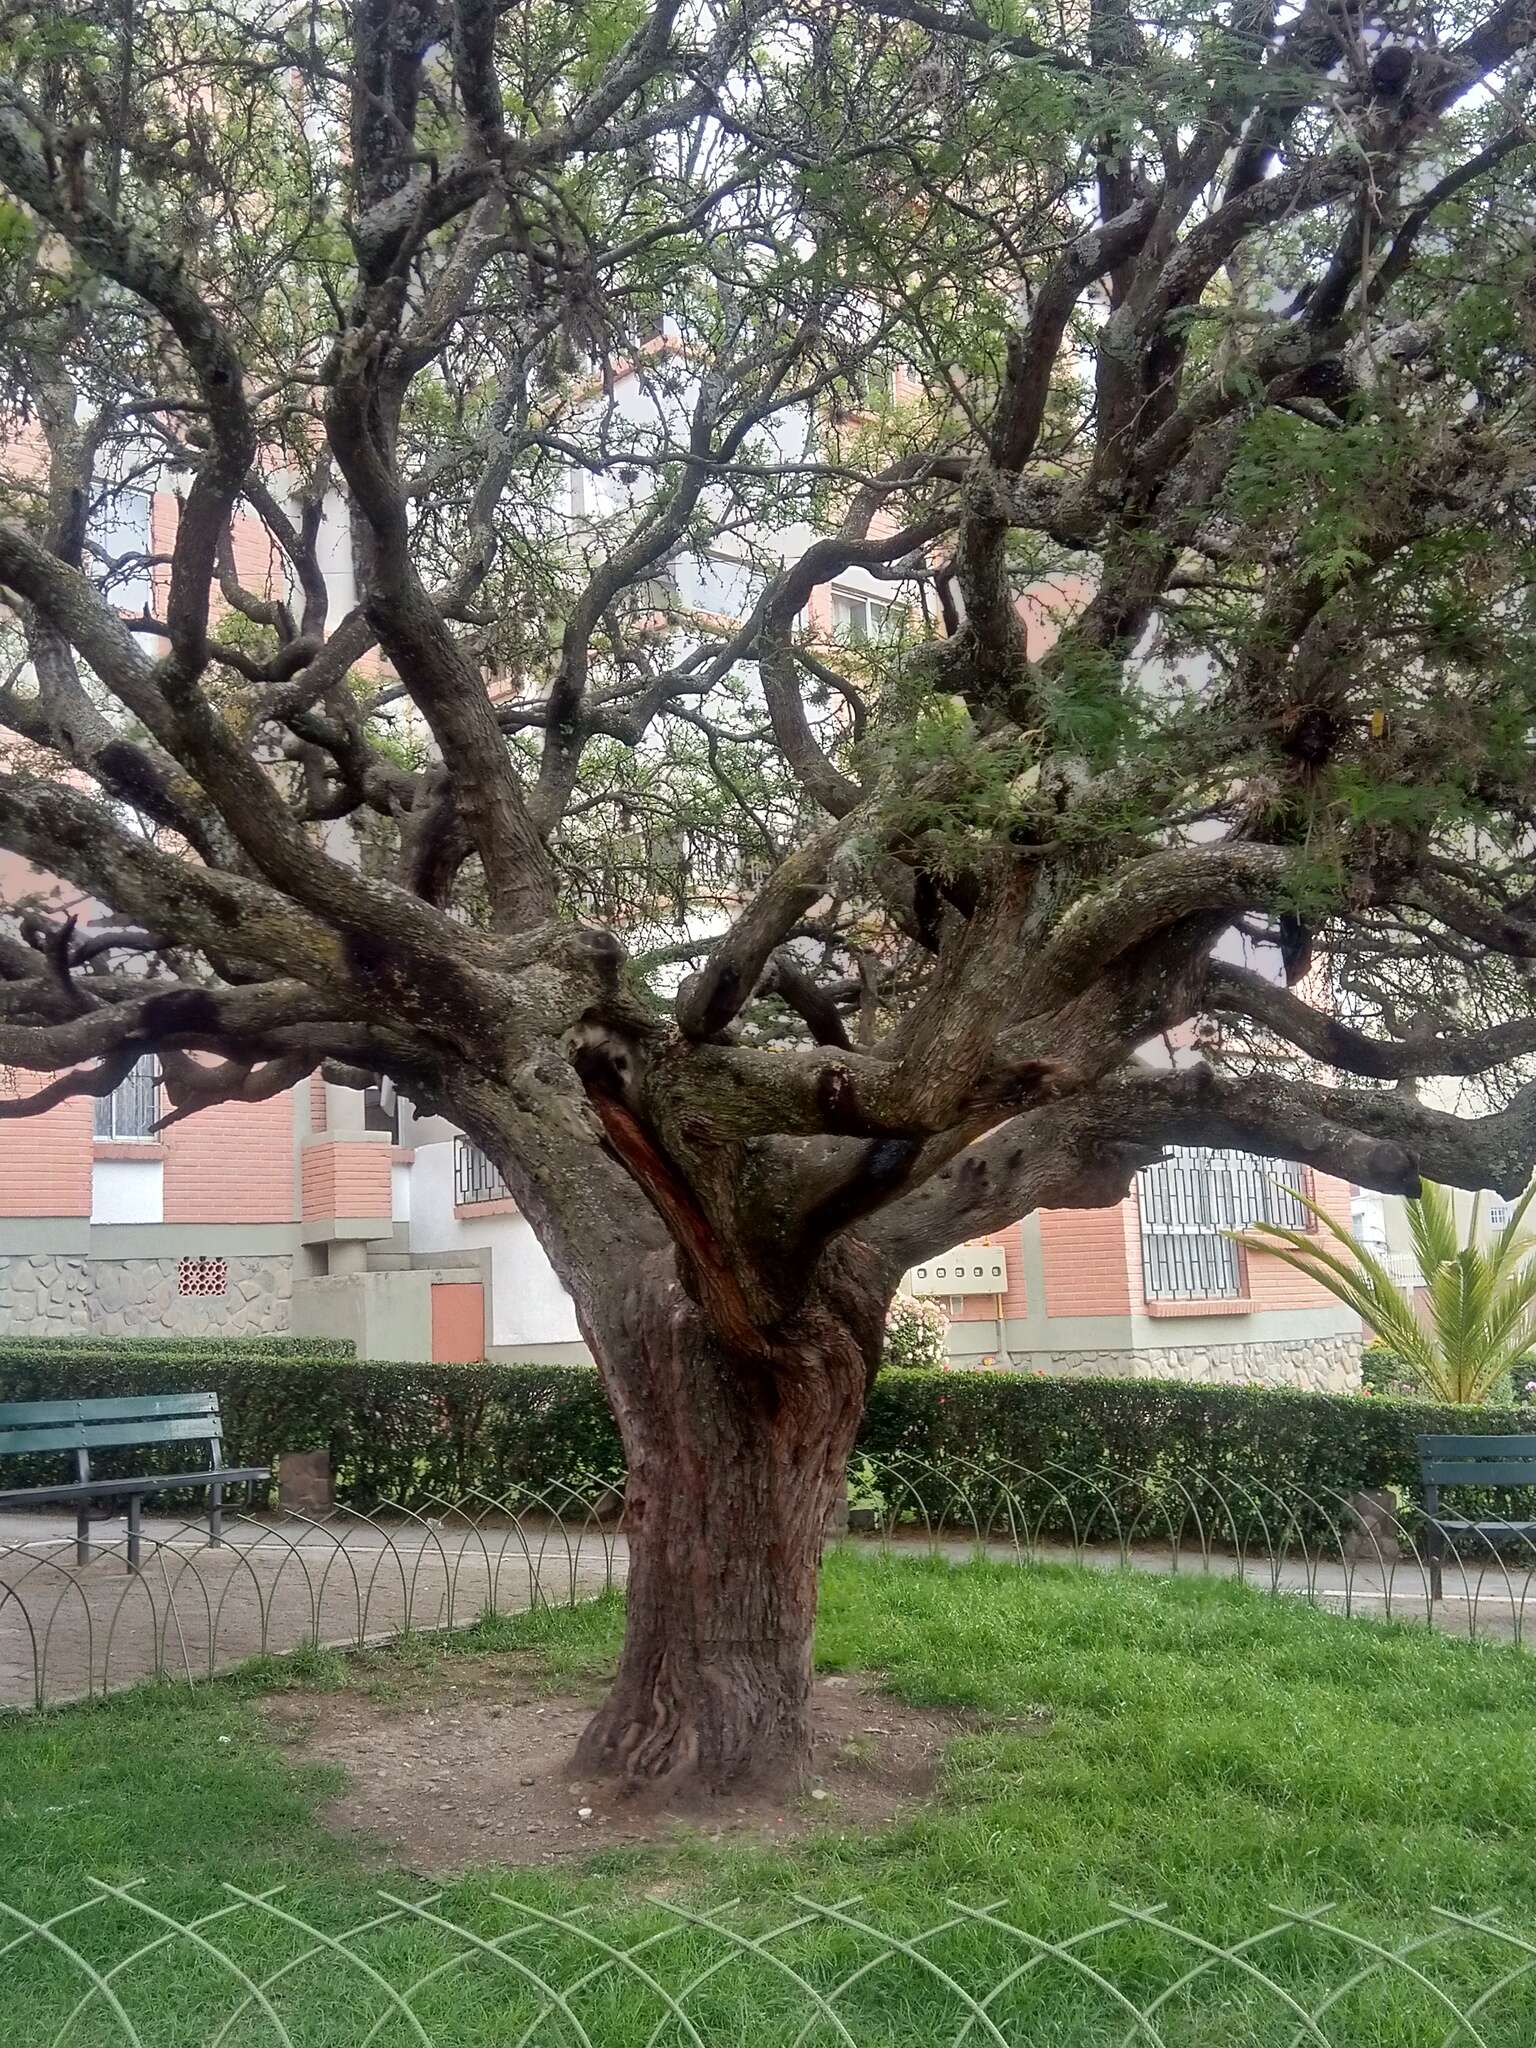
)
(476, 1179)
(1402, 1267)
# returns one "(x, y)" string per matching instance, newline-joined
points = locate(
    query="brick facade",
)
(232, 1163)
(45, 1160)
(341, 1179)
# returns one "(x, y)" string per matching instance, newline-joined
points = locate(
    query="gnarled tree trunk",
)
(734, 1464)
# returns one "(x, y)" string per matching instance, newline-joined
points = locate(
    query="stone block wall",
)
(141, 1298)
(1319, 1365)
(43, 1294)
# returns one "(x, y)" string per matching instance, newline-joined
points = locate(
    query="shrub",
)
(21, 1352)
(916, 1334)
(1385, 1371)
(1086, 1455)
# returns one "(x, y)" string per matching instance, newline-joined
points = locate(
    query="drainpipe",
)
(1004, 1356)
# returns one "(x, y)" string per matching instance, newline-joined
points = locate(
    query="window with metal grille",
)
(475, 1177)
(202, 1276)
(133, 1107)
(1190, 1200)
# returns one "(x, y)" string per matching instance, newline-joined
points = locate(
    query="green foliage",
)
(31, 1351)
(1383, 1371)
(1088, 1456)
(864, 1488)
(1481, 1318)
(404, 1433)
(916, 1334)
(1066, 1447)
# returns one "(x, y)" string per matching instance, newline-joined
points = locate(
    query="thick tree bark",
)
(733, 1466)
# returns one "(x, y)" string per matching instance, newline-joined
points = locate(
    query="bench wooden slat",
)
(1493, 1444)
(1456, 1472)
(94, 1436)
(81, 1427)
(25, 1414)
(107, 1489)
(1455, 1525)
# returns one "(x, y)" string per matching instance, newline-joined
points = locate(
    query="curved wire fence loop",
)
(44, 1930)
(192, 1932)
(295, 1555)
(357, 1576)
(1135, 1976)
(1043, 1952)
(296, 1963)
(618, 1957)
(1383, 1958)
(896, 1945)
(875, 1962)
(1524, 1968)
(557, 1999)
(1213, 1954)
(336, 1946)
(741, 1945)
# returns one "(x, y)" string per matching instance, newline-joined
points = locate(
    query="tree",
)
(1222, 320)
(1480, 1300)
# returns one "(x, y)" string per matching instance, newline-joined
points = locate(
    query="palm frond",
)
(1432, 1226)
(1479, 1313)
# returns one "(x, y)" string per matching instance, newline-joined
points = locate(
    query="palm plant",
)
(1479, 1317)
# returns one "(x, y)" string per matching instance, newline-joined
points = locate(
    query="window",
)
(717, 584)
(133, 1108)
(202, 1277)
(864, 618)
(475, 1178)
(1190, 1200)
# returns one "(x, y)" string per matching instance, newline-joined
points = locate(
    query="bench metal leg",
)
(82, 1537)
(1436, 1553)
(215, 1517)
(135, 1511)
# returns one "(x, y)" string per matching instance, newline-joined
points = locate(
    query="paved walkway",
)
(68, 1631)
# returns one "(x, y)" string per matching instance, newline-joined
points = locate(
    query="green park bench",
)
(1484, 1460)
(77, 1428)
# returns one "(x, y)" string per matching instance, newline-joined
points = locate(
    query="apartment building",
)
(321, 1211)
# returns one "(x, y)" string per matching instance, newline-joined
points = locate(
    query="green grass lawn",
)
(1186, 1743)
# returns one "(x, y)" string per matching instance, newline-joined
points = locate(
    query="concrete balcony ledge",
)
(339, 1229)
(1197, 1305)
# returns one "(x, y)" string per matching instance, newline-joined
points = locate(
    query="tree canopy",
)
(767, 952)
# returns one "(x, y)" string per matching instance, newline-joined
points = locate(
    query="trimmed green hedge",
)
(406, 1433)
(1240, 1452)
(23, 1352)
(411, 1433)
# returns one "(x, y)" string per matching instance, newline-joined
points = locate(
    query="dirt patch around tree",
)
(479, 1772)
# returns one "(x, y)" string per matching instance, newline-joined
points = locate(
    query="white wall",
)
(127, 1191)
(528, 1303)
